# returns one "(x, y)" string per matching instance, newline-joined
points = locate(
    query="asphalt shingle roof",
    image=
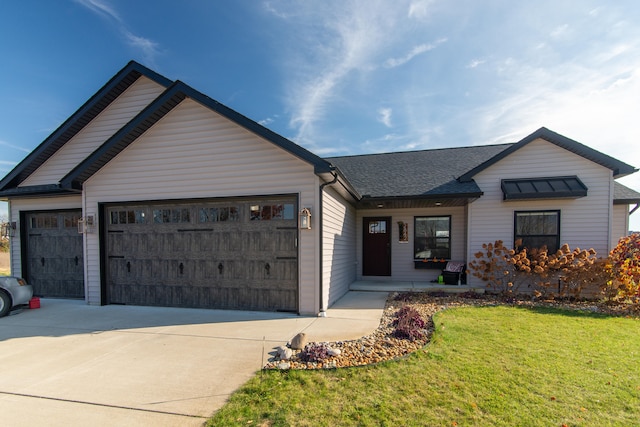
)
(415, 173)
(623, 194)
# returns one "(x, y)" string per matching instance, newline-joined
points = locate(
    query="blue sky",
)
(341, 77)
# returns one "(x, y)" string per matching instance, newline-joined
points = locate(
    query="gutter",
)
(322, 309)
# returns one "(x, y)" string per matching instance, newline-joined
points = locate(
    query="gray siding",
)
(585, 222)
(116, 115)
(620, 226)
(195, 153)
(338, 246)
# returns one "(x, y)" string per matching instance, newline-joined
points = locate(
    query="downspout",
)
(634, 209)
(322, 311)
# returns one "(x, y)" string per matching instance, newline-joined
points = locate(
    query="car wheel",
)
(5, 304)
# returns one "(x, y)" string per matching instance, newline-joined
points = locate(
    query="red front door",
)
(376, 246)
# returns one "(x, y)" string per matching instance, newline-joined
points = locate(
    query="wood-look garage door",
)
(232, 253)
(55, 266)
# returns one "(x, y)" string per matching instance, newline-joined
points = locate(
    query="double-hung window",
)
(432, 237)
(537, 229)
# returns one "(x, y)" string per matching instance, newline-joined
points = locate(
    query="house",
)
(152, 193)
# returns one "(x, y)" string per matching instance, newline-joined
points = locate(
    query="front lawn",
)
(485, 366)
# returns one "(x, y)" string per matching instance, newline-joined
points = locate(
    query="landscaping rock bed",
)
(382, 345)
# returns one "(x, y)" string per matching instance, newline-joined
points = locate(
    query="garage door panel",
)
(218, 254)
(55, 264)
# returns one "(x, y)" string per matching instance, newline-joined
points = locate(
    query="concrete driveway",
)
(70, 364)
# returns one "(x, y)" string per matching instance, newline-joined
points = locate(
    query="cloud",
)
(420, 9)
(417, 50)
(14, 147)
(475, 62)
(148, 48)
(384, 116)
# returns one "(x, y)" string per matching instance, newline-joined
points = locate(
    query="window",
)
(133, 216)
(432, 237)
(225, 213)
(175, 215)
(537, 229)
(378, 227)
(269, 212)
(44, 221)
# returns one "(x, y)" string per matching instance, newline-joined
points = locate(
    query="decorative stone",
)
(284, 353)
(334, 352)
(299, 341)
(283, 366)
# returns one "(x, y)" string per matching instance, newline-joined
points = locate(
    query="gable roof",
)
(162, 105)
(174, 93)
(419, 174)
(78, 120)
(619, 168)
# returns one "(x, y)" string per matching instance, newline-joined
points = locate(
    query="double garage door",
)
(232, 253)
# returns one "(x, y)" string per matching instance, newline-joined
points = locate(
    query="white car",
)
(14, 291)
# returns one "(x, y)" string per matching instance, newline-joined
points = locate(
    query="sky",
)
(341, 77)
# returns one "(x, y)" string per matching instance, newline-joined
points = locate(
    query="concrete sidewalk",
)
(70, 364)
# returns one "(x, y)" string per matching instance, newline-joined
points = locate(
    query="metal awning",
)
(557, 187)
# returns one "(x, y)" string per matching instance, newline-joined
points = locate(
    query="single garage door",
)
(55, 266)
(231, 253)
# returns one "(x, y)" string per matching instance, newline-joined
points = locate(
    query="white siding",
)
(195, 153)
(402, 265)
(620, 226)
(26, 205)
(116, 115)
(338, 246)
(584, 222)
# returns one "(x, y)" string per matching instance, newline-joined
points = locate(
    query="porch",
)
(419, 286)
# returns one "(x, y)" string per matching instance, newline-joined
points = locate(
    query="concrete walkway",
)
(70, 364)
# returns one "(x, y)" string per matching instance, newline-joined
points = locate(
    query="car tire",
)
(5, 304)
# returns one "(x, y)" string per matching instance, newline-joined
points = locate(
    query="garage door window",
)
(127, 217)
(275, 211)
(44, 221)
(175, 216)
(229, 213)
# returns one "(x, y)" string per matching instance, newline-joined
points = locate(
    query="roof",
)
(78, 120)
(416, 176)
(619, 168)
(175, 93)
(426, 173)
(623, 195)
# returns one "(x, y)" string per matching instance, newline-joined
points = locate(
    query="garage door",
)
(54, 254)
(232, 253)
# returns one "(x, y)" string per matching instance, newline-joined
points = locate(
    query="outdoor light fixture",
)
(305, 219)
(8, 229)
(86, 224)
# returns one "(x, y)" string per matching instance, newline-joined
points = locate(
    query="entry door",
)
(376, 247)
(55, 266)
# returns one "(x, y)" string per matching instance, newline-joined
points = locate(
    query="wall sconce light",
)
(86, 224)
(305, 219)
(8, 229)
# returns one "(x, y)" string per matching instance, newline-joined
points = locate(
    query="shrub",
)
(564, 273)
(314, 352)
(409, 324)
(625, 270)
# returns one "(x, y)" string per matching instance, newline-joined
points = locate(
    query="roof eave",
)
(79, 119)
(618, 167)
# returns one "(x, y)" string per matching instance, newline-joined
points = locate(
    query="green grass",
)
(485, 366)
